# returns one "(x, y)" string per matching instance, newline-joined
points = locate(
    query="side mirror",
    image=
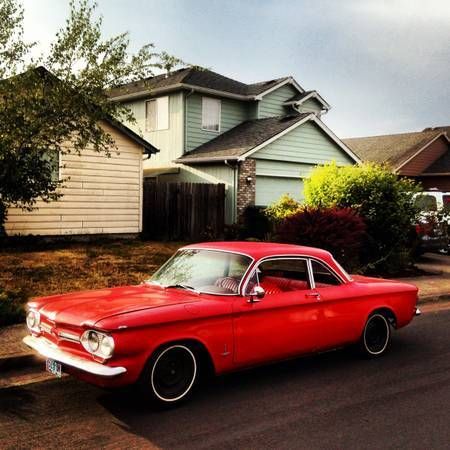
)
(257, 294)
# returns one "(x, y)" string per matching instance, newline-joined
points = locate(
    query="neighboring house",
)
(423, 156)
(102, 195)
(259, 139)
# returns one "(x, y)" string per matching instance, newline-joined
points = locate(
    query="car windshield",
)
(207, 271)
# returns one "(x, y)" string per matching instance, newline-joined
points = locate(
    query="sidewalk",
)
(16, 357)
(432, 287)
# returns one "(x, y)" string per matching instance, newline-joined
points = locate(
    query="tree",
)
(382, 198)
(42, 109)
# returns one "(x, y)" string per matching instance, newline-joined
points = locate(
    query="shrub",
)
(12, 307)
(285, 206)
(255, 223)
(383, 199)
(340, 231)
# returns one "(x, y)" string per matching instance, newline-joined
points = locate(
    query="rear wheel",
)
(170, 375)
(376, 336)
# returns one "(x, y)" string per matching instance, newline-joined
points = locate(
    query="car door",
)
(283, 322)
(336, 318)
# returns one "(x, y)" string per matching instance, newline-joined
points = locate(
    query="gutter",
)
(178, 86)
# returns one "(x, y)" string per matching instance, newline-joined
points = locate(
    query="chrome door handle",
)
(313, 294)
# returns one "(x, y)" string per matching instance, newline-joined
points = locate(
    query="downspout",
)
(235, 181)
(185, 119)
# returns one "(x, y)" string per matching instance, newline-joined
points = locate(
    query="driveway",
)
(334, 400)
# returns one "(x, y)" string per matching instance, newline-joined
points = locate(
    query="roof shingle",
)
(242, 138)
(393, 149)
(193, 76)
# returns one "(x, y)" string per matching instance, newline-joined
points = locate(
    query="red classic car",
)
(219, 306)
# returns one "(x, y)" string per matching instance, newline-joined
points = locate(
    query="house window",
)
(211, 114)
(52, 158)
(157, 114)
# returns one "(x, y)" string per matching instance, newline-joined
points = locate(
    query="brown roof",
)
(444, 128)
(195, 77)
(393, 149)
(239, 140)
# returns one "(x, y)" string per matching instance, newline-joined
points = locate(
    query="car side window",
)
(280, 275)
(323, 277)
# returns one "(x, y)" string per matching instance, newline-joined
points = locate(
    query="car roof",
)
(258, 250)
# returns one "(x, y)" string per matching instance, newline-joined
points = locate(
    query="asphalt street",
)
(333, 401)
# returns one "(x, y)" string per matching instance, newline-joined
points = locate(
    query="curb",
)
(19, 361)
(433, 298)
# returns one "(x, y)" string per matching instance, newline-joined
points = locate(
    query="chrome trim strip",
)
(274, 257)
(69, 336)
(51, 351)
(294, 256)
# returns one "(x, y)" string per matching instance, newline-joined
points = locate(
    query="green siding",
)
(233, 112)
(305, 144)
(267, 167)
(270, 189)
(311, 105)
(271, 104)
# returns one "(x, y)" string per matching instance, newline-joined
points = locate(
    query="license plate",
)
(54, 367)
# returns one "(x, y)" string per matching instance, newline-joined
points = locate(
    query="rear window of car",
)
(426, 202)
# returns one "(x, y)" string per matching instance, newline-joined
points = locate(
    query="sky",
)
(383, 65)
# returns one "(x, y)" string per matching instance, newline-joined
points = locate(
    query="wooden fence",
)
(183, 211)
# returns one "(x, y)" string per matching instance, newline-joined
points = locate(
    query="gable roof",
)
(394, 149)
(300, 98)
(198, 78)
(245, 139)
(239, 140)
(49, 77)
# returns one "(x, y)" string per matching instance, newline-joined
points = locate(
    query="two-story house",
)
(259, 139)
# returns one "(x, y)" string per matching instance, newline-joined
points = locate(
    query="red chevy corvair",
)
(219, 306)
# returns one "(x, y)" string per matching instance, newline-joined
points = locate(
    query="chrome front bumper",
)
(51, 351)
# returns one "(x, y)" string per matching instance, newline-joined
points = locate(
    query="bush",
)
(285, 206)
(12, 307)
(340, 231)
(255, 223)
(384, 200)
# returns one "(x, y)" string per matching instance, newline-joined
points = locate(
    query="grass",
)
(46, 269)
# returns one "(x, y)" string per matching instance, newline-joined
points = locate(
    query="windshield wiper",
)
(182, 286)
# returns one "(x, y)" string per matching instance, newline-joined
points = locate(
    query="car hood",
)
(88, 307)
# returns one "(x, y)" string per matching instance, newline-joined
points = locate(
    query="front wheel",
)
(376, 336)
(170, 375)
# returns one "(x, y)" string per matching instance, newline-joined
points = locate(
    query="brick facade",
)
(246, 189)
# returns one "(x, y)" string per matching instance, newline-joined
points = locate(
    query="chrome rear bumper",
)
(51, 351)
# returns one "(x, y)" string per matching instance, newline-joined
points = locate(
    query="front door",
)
(283, 322)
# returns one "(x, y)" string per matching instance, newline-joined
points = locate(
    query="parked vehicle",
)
(433, 227)
(220, 307)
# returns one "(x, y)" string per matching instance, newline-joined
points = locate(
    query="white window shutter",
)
(150, 115)
(163, 113)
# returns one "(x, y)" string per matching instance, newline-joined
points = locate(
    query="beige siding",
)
(170, 142)
(100, 195)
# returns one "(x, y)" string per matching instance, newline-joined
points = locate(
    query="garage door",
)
(270, 189)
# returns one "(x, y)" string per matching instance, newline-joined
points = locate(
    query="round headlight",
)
(107, 346)
(32, 319)
(93, 341)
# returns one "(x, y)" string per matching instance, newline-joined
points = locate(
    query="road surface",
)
(330, 401)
